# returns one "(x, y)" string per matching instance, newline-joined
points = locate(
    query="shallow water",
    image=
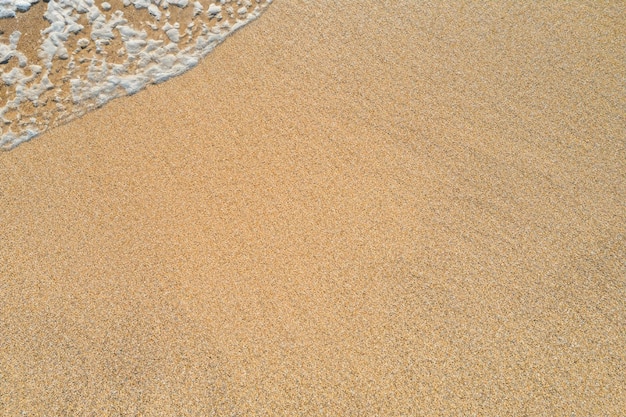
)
(61, 59)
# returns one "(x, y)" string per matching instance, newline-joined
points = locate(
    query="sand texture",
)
(350, 208)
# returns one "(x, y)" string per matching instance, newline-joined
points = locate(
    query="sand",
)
(349, 208)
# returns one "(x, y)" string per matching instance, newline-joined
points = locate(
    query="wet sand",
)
(349, 208)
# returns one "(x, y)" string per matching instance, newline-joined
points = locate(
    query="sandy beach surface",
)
(350, 208)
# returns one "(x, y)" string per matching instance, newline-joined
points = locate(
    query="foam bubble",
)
(90, 52)
(8, 8)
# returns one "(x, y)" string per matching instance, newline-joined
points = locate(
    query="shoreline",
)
(89, 54)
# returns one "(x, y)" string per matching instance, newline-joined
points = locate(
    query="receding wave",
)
(61, 59)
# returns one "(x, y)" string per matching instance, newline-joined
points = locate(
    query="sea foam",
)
(90, 52)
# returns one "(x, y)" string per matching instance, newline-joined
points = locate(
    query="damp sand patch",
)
(62, 59)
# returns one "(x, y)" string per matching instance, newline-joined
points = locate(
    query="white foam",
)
(214, 10)
(9, 7)
(109, 58)
(9, 51)
(179, 3)
(197, 8)
(153, 9)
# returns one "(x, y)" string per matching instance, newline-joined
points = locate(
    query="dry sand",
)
(350, 208)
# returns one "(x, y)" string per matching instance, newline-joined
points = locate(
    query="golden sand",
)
(349, 208)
